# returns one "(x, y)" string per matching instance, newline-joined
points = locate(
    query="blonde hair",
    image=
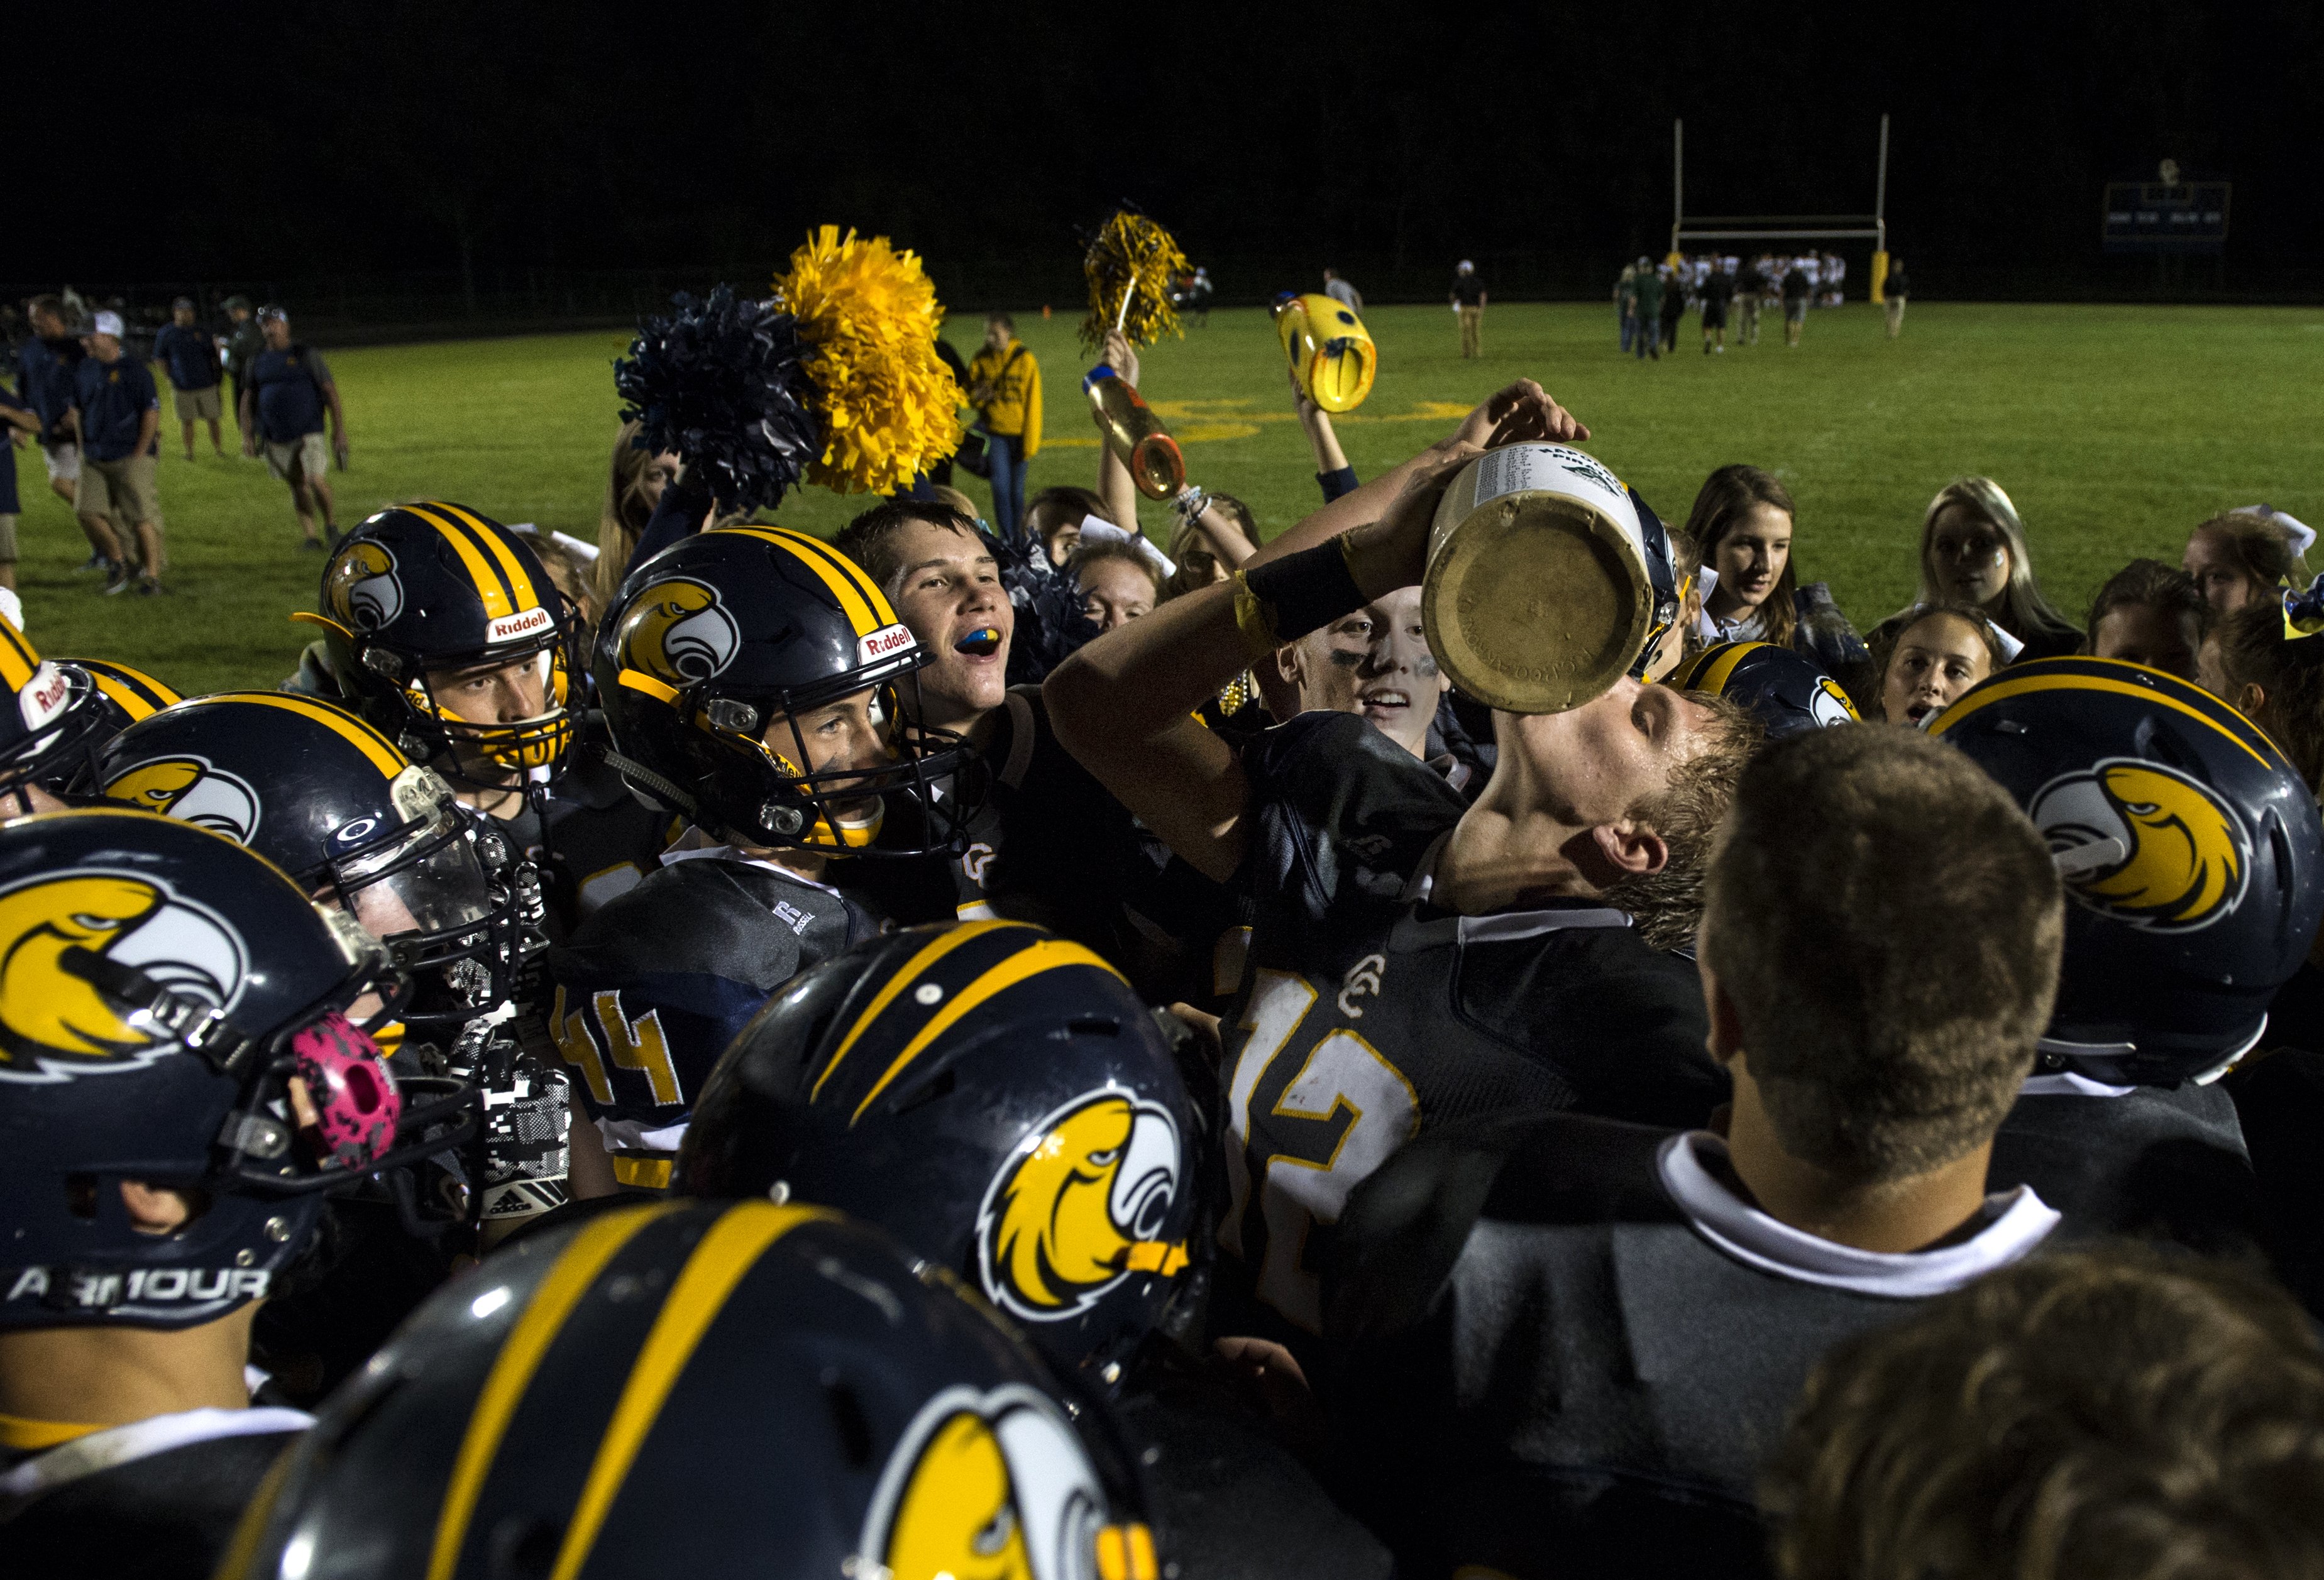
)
(623, 517)
(2024, 613)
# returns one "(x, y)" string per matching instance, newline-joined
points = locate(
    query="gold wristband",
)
(1255, 619)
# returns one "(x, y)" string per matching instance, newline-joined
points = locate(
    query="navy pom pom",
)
(721, 383)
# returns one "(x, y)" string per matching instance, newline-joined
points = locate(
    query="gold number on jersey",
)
(637, 1045)
(580, 1050)
(1342, 1076)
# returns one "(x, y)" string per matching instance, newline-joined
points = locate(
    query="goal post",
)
(1784, 227)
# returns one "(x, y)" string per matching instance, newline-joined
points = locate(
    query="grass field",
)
(2116, 429)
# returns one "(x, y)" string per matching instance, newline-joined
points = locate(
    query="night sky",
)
(503, 139)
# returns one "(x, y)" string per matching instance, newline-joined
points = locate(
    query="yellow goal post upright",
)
(1784, 227)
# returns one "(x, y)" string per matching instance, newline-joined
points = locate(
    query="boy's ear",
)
(1724, 1040)
(1626, 849)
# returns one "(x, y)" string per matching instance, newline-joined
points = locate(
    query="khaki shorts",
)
(64, 462)
(198, 405)
(7, 538)
(121, 489)
(311, 454)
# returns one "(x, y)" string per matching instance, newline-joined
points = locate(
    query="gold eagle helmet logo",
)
(191, 791)
(2145, 844)
(678, 632)
(55, 1024)
(1830, 706)
(1079, 1207)
(362, 591)
(988, 1486)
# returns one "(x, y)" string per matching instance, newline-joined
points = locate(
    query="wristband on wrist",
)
(1283, 600)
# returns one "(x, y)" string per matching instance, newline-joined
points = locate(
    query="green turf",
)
(2116, 429)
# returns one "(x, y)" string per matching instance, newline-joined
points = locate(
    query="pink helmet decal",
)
(355, 1100)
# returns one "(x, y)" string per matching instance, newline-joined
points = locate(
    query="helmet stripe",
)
(17, 659)
(512, 1371)
(369, 741)
(729, 1249)
(2030, 683)
(1713, 679)
(860, 613)
(490, 584)
(881, 609)
(513, 571)
(951, 939)
(1043, 954)
(132, 691)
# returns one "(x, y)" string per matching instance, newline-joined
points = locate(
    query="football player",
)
(1782, 686)
(361, 828)
(1069, 1191)
(2194, 868)
(441, 628)
(705, 1388)
(1050, 844)
(1562, 1343)
(1413, 957)
(179, 1080)
(61, 712)
(750, 677)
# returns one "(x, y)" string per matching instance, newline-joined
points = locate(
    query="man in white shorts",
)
(284, 396)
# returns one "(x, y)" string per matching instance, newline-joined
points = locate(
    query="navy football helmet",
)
(1662, 574)
(2193, 856)
(711, 651)
(331, 801)
(173, 1012)
(1786, 690)
(52, 721)
(424, 588)
(703, 1389)
(996, 1097)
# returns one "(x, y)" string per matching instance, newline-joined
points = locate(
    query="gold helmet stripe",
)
(2042, 683)
(512, 1371)
(365, 739)
(860, 613)
(243, 1549)
(489, 585)
(17, 658)
(513, 571)
(729, 1249)
(1043, 954)
(132, 691)
(1712, 677)
(951, 939)
(881, 609)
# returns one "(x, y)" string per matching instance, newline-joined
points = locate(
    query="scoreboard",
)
(2149, 217)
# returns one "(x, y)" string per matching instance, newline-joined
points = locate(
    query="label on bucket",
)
(1522, 468)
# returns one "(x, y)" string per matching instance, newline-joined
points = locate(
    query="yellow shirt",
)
(1015, 409)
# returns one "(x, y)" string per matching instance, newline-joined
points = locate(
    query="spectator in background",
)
(1648, 287)
(191, 358)
(1797, 290)
(1054, 519)
(117, 413)
(1004, 384)
(633, 487)
(1716, 290)
(16, 418)
(1625, 304)
(2148, 613)
(1893, 292)
(1743, 519)
(1973, 551)
(1674, 307)
(289, 389)
(1750, 285)
(1342, 292)
(46, 365)
(1116, 582)
(243, 342)
(2242, 557)
(1932, 655)
(1469, 303)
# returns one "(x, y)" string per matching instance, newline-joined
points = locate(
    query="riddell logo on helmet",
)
(43, 696)
(885, 642)
(508, 628)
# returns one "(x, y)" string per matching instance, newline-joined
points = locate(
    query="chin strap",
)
(646, 779)
(173, 1017)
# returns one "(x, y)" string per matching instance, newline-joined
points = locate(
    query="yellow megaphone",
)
(1332, 356)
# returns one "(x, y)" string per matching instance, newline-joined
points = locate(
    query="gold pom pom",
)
(868, 316)
(1130, 264)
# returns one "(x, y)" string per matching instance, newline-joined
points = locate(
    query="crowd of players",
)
(931, 1054)
(1652, 297)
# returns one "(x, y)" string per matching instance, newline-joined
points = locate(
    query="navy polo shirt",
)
(47, 385)
(189, 355)
(9, 503)
(114, 398)
(289, 385)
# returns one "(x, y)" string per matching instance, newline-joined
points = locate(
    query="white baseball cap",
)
(107, 324)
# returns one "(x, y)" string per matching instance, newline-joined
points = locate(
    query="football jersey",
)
(1368, 1015)
(156, 1499)
(654, 985)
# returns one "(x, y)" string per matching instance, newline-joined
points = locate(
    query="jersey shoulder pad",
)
(1338, 811)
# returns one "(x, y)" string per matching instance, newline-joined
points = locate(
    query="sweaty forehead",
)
(922, 543)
